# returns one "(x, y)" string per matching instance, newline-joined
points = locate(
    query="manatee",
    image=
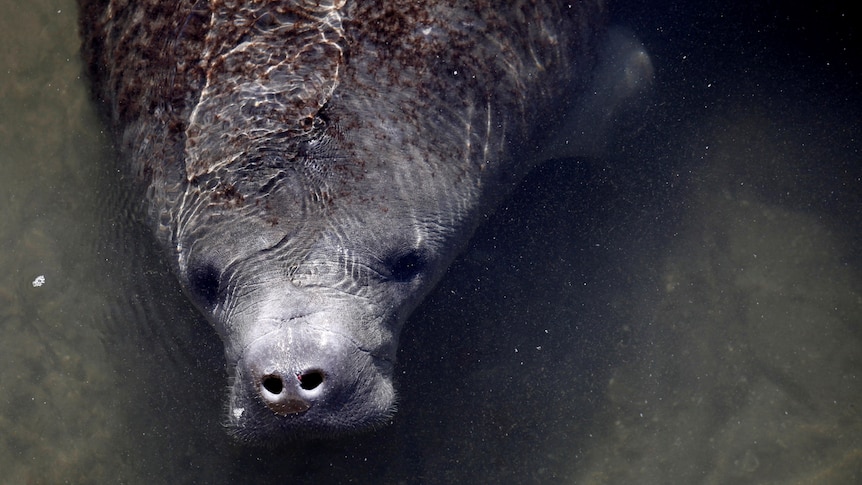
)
(311, 167)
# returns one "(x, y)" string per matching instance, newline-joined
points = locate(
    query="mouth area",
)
(293, 383)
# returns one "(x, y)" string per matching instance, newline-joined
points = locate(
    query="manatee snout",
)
(310, 326)
(299, 380)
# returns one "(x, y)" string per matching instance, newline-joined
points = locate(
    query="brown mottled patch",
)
(335, 95)
(228, 196)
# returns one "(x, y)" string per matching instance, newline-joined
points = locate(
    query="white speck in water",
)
(39, 281)
(237, 413)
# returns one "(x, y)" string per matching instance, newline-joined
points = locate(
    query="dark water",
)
(686, 309)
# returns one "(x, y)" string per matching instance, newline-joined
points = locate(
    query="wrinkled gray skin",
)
(312, 169)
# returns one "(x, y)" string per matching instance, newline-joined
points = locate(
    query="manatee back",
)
(176, 76)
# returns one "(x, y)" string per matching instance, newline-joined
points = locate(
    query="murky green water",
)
(687, 311)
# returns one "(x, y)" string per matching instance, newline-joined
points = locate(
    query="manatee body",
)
(312, 167)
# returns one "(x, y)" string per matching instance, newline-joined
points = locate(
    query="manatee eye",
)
(406, 266)
(204, 283)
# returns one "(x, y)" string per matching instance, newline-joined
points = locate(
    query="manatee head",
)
(307, 256)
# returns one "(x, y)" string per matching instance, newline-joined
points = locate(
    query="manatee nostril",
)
(281, 401)
(310, 380)
(272, 384)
